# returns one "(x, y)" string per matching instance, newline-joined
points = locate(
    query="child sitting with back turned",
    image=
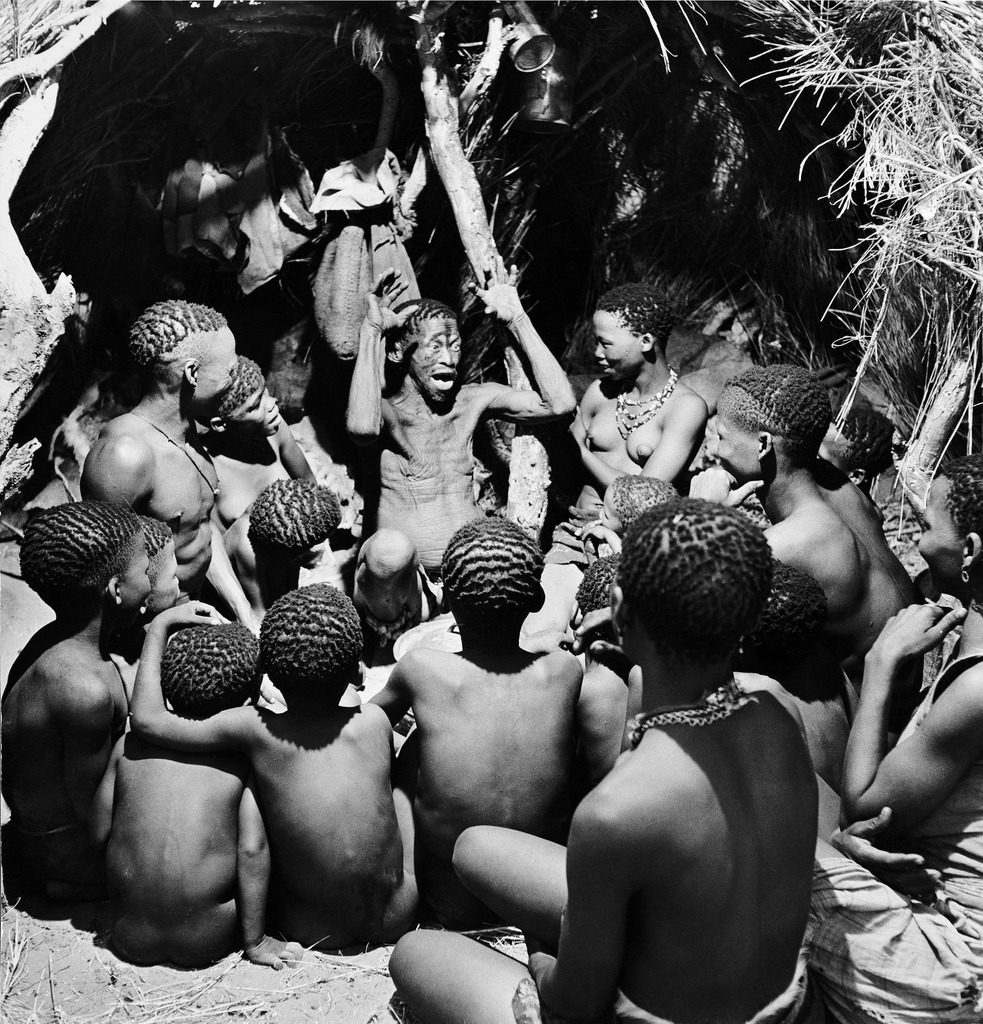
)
(625, 499)
(187, 862)
(268, 545)
(785, 645)
(495, 725)
(65, 705)
(322, 774)
(250, 444)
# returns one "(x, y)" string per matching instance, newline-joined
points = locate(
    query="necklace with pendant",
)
(184, 451)
(632, 413)
(714, 707)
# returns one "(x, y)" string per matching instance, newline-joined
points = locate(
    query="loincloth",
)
(793, 1006)
(878, 956)
(62, 854)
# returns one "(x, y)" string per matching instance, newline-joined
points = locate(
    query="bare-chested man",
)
(150, 458)
(770, 421)
(638, 418)
(422, 468)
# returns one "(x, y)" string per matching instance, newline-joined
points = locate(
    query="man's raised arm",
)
(364, 417)
(555, 398)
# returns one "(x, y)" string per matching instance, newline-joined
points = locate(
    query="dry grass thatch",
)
(910, 78)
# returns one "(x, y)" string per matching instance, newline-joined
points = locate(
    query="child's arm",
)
(253, 879)
(404, 771)
(292, 458)
(101, 808)
(396, 697)
(149, 717)
(600, 720)
(222, 577)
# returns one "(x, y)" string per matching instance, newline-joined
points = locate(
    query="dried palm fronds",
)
(909, 79)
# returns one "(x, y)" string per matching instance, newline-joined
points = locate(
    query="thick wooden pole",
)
(529, 467)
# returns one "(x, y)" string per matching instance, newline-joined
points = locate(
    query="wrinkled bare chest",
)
(429, 449)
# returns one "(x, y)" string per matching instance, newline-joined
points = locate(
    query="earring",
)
(119, 599)
(964, 575)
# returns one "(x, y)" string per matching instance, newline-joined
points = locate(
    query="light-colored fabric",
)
(786, 1008)
(881, 958)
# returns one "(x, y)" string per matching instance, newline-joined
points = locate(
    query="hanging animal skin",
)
(359, 195)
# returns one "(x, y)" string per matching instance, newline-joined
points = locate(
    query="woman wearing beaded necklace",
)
(685, 892)
(637, 418)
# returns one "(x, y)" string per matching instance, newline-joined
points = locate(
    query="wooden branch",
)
(390, 104)
(529, 468)
(37, 65)
(942, 418)
(31, 320)
(487, 67)
(15, 468)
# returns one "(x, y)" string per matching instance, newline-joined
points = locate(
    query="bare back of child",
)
(322, 772)
(187, 862)
(496, 725)
(65, 704)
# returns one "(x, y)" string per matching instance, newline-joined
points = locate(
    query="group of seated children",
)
(706, 817)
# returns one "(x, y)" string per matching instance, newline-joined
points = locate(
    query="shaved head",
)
(387, 553)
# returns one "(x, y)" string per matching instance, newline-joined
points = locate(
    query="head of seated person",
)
(632, 322)
(427, 349)
(207, 669)
(247, 409)
(789, 626)
(85, 556)
(692, 579)
(953, 527)
(164, 586)
(184, 347)
(594, 592)
(769, 418)
(628, 496)
(289, 517)
(310, 646)
(387, 586)
(861, 446)
(491, 573)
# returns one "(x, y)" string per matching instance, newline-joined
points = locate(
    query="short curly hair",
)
(594, 592)
(72, 551)
(695, 576)
(869, 435)
(491, 572)
(206, 669)
(247, 379)
(165, 327)
(157, 535)
(642, 309)
(310, 639)
(786, 400)
(293, 515)
(632, 494)
(964, 502)
(793, 615)
(420, 311)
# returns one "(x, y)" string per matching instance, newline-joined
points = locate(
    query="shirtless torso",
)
(63, 709)
(168, 478)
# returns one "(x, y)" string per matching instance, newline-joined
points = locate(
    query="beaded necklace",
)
(714, 707)
(184, 451)
(632, 413)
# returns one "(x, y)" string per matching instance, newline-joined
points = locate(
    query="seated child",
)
(268, 545)
(250, 444)
(65, 705)
(341, 871)
(496, 725)
(187, 863)
(625, 499)
(683, 893)
(392, 592)
(785, 645)
(606, 722)
(861, 447)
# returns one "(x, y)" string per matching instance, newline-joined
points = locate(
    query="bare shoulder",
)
(593, 397)
(371, 716)
(812, 536)
(121, 452)
(73, 685)
(770, 693)
(561, 666)
(687, 406)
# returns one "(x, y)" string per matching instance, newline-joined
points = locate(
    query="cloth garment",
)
(793, 1006)
(880, 956)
